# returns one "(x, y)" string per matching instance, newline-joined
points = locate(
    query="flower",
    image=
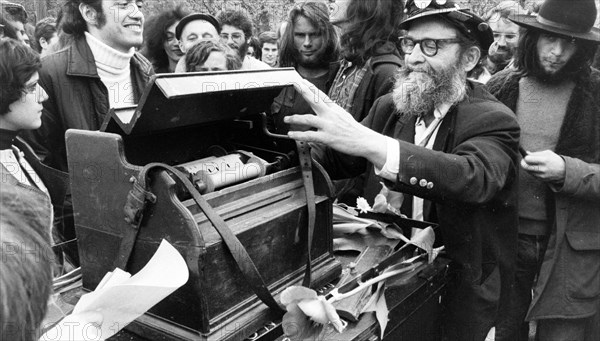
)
(362, 205)
(307, 314)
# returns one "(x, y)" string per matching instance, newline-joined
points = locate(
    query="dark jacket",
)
(569, 279)
(378, 80)
(472, 170)
(77, 98)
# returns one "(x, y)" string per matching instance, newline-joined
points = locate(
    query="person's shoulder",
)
(480, 104)
(55, 63)
(501, 78)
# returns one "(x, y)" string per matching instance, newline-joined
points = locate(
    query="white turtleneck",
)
(114, 70)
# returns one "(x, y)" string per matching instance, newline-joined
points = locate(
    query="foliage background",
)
(266, 14)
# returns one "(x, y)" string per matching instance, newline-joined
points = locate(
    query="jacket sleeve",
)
(481, 164)
(582, 179)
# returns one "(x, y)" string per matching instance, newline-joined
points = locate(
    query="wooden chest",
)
(181, 119)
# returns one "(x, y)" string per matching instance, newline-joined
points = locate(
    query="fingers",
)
(307, 121)
(306, 136)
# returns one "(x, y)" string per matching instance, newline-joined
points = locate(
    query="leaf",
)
(424, 239)
(297, 293)
(382, 311)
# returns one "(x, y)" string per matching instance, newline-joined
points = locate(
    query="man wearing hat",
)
(556, 97)
(192, 29)
(448, 145)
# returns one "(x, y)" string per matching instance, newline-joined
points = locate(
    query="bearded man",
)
(448, 146)
(310, 45)
(236, 31)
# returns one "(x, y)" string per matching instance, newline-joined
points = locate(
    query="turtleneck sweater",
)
(114, 70)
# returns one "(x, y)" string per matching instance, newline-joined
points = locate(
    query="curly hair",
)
(237, 19)
(199, 53)
(528, 63)
(72, 21)
(155, 35)
(318, 15)
(18, 63)
(370, 24)
(26, 265)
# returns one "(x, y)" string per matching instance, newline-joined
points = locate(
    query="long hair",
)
(371, 23)
(17, 64)
(318, 15)
(155, 35)
(528, 63)
(25, 265)
(72, 21)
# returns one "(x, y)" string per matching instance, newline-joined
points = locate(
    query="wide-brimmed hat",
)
(196, 16)
(464, 20)
(571, 18)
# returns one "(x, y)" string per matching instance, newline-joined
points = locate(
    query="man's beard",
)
(316, 61)
(419, 91)
(240, 49)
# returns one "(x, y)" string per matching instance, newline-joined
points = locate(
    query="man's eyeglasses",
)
(429, 47)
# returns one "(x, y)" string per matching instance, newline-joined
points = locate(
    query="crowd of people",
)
(487, 124)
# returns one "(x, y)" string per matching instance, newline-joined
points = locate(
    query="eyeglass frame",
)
(435, 41)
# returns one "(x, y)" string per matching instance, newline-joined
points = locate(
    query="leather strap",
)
(236, 248)
(306, 167)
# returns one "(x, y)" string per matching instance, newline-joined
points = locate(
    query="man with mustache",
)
(448, 146)
(506, 37)
(309, 44)
(99, 70)
(555, 95)
(236, 31)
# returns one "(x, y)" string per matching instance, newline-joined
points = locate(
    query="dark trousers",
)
(511, 324)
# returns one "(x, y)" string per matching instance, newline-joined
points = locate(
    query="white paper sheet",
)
(121, 300)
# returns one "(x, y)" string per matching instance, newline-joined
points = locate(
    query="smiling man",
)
(100, 70)
(448, 145)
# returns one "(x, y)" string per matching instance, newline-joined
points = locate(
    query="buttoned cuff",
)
(390, 169)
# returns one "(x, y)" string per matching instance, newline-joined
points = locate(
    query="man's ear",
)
(471, 57)
(43, 43)
(88, 13)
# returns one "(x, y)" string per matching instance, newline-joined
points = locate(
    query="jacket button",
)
(413, 181)
(423, 183)
(429, 185)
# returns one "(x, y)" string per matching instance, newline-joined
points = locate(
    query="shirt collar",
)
(439, 112)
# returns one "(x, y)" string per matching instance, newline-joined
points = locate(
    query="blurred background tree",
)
(266, 14)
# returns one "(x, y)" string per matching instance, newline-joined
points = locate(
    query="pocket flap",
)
(583, 241)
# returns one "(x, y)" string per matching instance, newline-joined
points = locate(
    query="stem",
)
(336, 297)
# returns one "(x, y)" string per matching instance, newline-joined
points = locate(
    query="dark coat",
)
(569, 279)
(472, 168)
(77, 98)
